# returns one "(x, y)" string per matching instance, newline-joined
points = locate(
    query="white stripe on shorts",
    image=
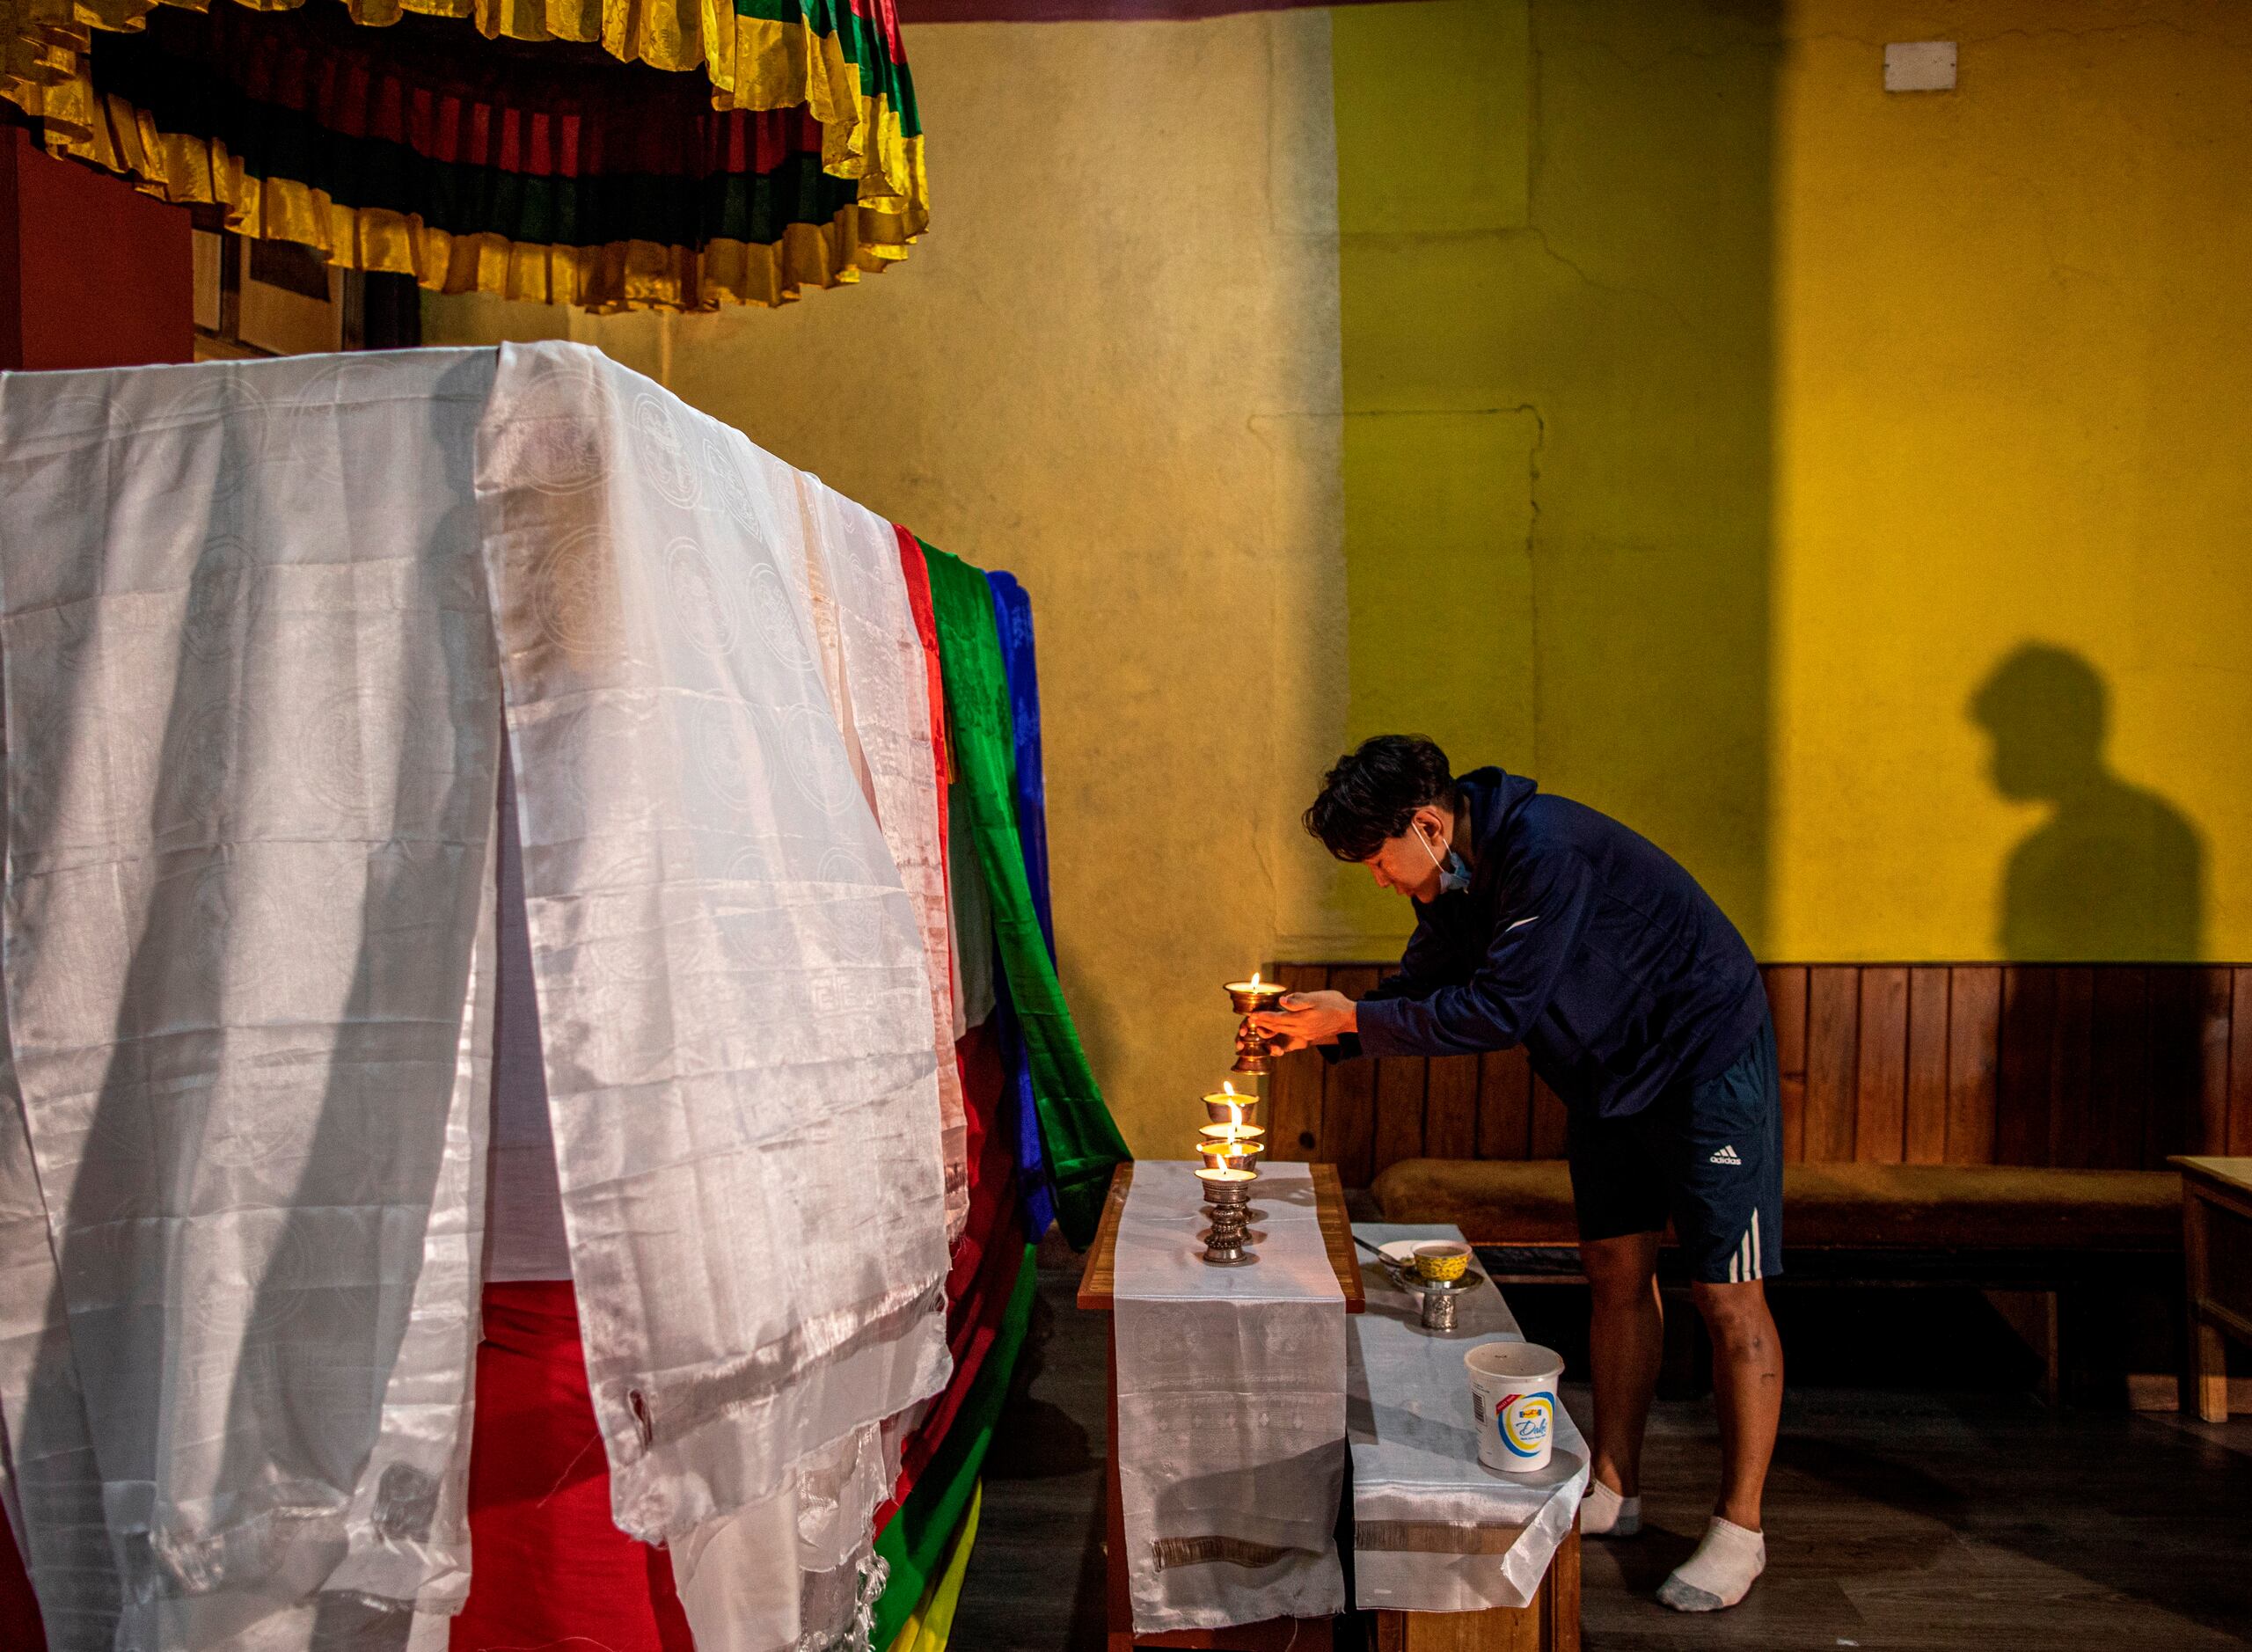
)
(1757, 1272)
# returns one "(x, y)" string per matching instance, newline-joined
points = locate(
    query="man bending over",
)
(1540, 922)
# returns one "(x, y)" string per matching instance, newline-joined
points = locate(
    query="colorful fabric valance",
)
(562, 172)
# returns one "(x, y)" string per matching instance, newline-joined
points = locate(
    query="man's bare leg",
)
(1626, 1342)
(1747, 1392)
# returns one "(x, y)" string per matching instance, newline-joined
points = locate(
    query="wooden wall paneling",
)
(2071, 1140)
(1349, 1096)
(1787, 1003)
(2109, 1065)
(1402, 1082)
(1880, 1081)
(1549, 1121)
(1293, 1107)
(1974, 1031)
(2176, 1063)
(2118, 1095)
(1505, 1104)
(1833, 994)
(2215, 987)
(1451, 1107)
(1925, 1130)
(2239, 1064)
(2028, 1032)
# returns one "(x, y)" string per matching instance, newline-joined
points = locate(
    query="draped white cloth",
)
(879, 684)
(1231, 1407)
(260, 624)
(1434, 1530)
(250, 692)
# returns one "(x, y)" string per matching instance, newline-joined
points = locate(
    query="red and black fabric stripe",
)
(429, 119)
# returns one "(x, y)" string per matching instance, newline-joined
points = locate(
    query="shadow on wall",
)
(2117, 873)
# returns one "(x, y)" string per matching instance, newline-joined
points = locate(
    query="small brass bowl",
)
(1221, 1108)
(1231, 1132)
(1229, 1155)
(1442, 1259)
(1247, 999)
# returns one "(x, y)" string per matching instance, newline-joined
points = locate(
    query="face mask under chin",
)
(1453, 876)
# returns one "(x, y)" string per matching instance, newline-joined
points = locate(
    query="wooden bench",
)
(2006, 1127)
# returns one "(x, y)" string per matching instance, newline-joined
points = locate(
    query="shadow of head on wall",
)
(2116, 872)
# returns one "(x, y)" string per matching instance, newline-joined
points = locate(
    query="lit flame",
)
(1234, 1101)
(1255, 981)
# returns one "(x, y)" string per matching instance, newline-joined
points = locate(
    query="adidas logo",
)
(1727, 1155)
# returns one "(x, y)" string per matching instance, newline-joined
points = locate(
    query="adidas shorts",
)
(1709, 1156)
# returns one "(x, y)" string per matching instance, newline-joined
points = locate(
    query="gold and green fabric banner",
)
(590, 168)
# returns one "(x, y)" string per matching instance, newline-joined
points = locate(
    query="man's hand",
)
(1306, 1018)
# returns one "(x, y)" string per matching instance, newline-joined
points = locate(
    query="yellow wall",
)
(2015, 360)
(1718, 424)
(1112, 369)
(1644, 399)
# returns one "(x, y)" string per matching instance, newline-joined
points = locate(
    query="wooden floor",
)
(1896, 1519)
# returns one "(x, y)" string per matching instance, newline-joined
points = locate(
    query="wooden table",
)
(1550, 1624)
(1297, 1635)
(2216, 1255)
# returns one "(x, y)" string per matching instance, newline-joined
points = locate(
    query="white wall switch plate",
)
(1919, 66)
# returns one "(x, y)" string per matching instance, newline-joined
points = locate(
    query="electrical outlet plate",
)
(1919, 66)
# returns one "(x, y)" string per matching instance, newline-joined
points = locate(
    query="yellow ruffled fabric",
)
(621, 276)
(753, 64)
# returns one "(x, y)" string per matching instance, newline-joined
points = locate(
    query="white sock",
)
(1720, 1573)
(1603, 1513)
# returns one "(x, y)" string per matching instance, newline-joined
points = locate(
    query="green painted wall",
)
(1556, 227)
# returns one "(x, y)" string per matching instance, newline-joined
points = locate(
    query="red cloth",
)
(549, 1568)
(992, 1157)
(974, 1324)
(20, 1628)
(986, 1256)
(917, 568)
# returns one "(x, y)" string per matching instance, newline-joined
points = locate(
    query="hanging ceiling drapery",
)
(560, 153)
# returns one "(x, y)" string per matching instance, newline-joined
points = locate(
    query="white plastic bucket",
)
(1513, 1386)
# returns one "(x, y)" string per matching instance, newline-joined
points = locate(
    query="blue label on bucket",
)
(1525, 1421)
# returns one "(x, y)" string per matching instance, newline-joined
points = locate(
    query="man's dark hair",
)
(1373, 793)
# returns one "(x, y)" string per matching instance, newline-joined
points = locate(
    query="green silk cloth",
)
(915, 1544)
(1083, 1143)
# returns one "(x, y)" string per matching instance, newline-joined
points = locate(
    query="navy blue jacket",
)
(1578, 938)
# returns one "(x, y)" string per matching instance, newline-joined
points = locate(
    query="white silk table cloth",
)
(1231, 1407)
(1434, 1529)
(259, 626)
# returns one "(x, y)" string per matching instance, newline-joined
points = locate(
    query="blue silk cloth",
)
(1013, 618)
